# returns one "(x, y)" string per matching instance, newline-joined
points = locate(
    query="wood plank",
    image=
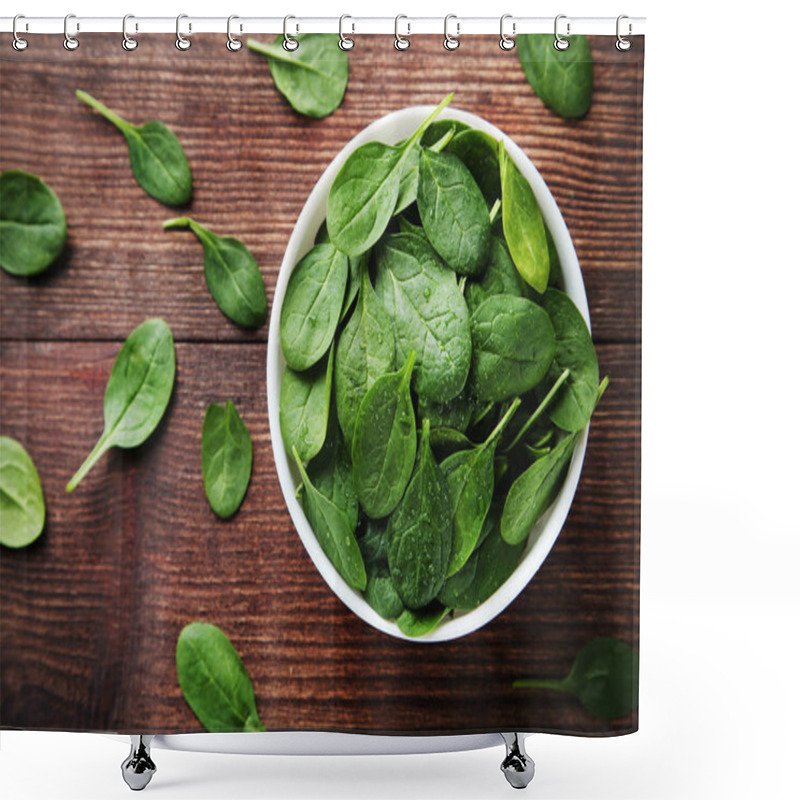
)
(255, 162)
(91, 613)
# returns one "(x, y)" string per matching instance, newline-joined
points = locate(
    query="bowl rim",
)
(393, 127)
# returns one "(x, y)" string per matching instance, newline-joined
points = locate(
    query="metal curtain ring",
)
(345, 42)
(560, 42)
(181, 42)
(506, 41)
(128, 42)
(18, 43)
(233, 44)
(70, 42)
(623, 44)
(401, 42)
(290, 44)
(451, 42)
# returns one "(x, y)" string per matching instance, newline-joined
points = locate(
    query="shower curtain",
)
(411, 570)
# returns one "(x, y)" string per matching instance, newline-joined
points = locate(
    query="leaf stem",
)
(494, 212)
(500, 427)
(100, 448)
(113, 118)
(540, 409)
(419, 132)
(178, 222)
(440, 145)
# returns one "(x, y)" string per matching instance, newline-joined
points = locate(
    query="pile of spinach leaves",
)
(437, 377)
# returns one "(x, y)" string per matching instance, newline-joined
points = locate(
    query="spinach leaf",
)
(490, 565)
(453, 212)
(22, 508)
(227, 458)
(513, 344)
(312, 306)
(470, 479)
(500, 277)
(33, 227)
(416, 623)
(409, 180)
(428, 312)
(574, 404)
(533, 492)
(385, 442)
(446, 441)
(420, 531)
(353, 281)
(374, 546)
(157, 158)
(563, 79)
(214, 681)
(556, 277)
(478, 151)
(383, 597)
(523, 225)
(313, 78)
(334, 532)
(455, 413)
(332, 473)
(304, 404)
(439, 128)
(137, 393)
(365, 352)
(604, 677)
(232, 275)
(364, 193)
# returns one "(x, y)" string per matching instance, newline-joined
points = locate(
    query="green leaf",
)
(470, 479)
(334, 532)
(478, 151)
(383, 597)
(227, 458)
(523, 225)
(312, 306)
(22, 509)
(365, 191)
(428, 312)
(214, 681)
(385, 442)
(33, 228)
(137, 393)
(365, 351)
(488, 568)
(513, 344)
(305, 402)
(453, 212)
(313, 78)
(533, 492)
(563, 79)
(499, 277)
(575, 402)
(420, 532)
(157, 158)
(418, 623)
(331, 472)
(604, 677)
(232, 275)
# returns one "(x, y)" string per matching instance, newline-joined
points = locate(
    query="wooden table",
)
(91, 612)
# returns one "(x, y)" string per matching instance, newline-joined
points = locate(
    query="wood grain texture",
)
(91, 612)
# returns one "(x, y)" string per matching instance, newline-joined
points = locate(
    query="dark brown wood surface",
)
(91, 612)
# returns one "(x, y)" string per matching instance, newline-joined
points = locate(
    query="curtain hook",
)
(345, 42)
(560, 42)
(233, 44)
(623, 44)
(290, 44)
(401, 42)
(70, 42)
(128, 42)
(18, 43)
(451, 42)
(507, 42)
(181, 42)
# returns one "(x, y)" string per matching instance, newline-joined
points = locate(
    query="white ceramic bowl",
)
(392, 128)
